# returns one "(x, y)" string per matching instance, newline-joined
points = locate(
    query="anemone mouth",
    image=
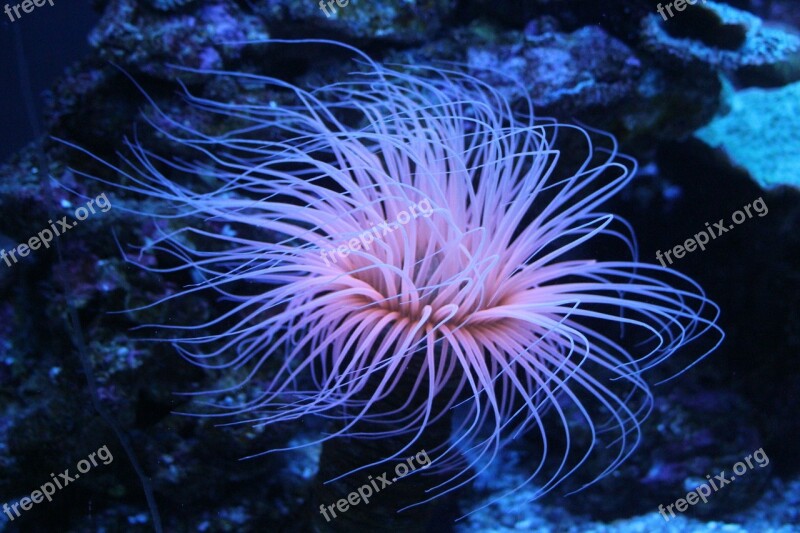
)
(494, 293)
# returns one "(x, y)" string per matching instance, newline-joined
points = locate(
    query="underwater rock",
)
(167, 5)
(616, 88)
(612, 88)
(149, 41)
(556, 70)
(620, 18)
(698, 437)
(760, 133)
(723, 38)
(194, 466)
(688, 437)
(780, 12)
(405, 22)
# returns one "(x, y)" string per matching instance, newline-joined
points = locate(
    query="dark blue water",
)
(53, 38)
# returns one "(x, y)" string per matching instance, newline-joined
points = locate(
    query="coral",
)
(150, 42)
(556, 70)
(726, 39)
(616, 87)
(402, 21)
(759, 133)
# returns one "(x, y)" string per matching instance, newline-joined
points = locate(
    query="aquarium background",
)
(707, 100)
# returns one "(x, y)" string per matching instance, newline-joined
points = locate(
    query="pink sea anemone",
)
(492, 295)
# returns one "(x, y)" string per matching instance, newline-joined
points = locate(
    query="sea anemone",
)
(408, 228)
